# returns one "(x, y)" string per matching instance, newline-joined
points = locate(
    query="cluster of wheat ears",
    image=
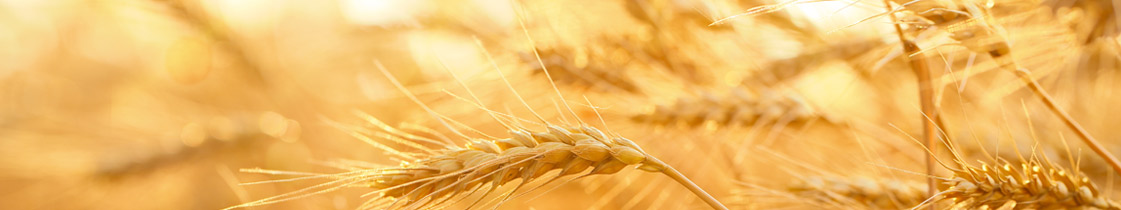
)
(492, 154)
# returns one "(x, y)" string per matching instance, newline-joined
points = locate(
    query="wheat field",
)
(541, 104)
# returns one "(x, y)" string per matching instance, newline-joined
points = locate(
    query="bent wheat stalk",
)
(654, 165)
(859, 191)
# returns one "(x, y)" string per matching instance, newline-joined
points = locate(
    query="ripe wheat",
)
(736, 108)
(1030, 186)
(859, 192)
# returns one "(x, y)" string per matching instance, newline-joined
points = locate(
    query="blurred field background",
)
(152, 104)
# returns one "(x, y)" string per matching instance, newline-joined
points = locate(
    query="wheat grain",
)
(859, 192)
(600, 65)
(526, 155)
(1030, 186)
(433, 177)
(735, 108)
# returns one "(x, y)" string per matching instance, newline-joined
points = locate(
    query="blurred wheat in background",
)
(520, 104)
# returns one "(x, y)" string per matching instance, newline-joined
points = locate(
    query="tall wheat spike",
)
(1033, 184)
(859, 192)
(98, 109)
(735, 108)
(440, 173)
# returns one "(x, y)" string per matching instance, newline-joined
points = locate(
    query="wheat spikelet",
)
(216, 135)
(1034, 183)
(735, 108)
(526, 155)
(600, 65)
(1029, 186)
(859, 192)
(834, 185)
(963, 21)
(434, 177)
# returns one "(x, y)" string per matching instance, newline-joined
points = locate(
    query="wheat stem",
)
(926, 96)
(684, 181)
(1068, 120)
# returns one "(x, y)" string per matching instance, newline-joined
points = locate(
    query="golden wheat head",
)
(1029, 186)
(526, 155)
(859, 192)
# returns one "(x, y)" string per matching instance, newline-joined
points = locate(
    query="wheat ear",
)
(859, 191)
(732, 109)
(655, 163)
(1029, 186)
